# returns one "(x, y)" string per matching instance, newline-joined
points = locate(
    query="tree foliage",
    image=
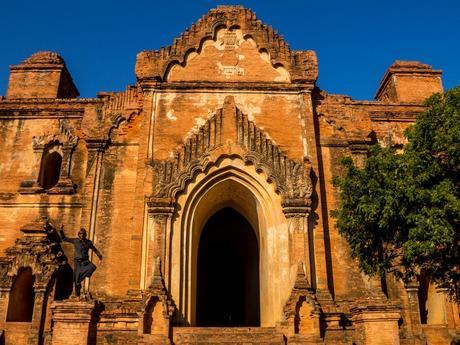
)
(400, 213)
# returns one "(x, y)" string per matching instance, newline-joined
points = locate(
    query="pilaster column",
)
(72, 319)
(299, 247)
(161, 212)
(31, 186)
(359, 150)
(35, 325)
(96, 148)
(6, 283)
(452, 312)
(413, 325)
(318, 227)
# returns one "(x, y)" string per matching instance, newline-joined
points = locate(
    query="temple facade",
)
(207, 188)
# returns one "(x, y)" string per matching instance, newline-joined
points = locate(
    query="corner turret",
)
(42, 75)
(409, 82)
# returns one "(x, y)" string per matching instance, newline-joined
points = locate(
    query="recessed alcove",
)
(50, 168)
(22, 297)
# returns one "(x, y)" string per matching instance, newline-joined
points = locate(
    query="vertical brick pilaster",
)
(299, 248)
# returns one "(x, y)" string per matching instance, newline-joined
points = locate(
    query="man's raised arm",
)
(64, 237)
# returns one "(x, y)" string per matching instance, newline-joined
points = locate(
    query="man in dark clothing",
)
(82, 266)
(51, 231)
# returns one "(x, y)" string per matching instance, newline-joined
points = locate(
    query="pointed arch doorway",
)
(228, 272)
(233, 185)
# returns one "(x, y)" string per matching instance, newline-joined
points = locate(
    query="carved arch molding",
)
(229, 134)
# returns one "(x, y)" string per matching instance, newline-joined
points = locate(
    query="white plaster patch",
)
(208, 43)
(253, 109)
(265, 56)
(229, 71)
(241, 57)
(169, 96)
(201, 100)
(219, 44)
(283, 74)
(250, 106)
(191, 56)
(228, 39)
(199, 121)
(251, 42)
(170, 115)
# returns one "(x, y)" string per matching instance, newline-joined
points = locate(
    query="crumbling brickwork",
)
(227, 116)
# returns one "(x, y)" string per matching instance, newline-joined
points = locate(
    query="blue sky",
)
(355, 40)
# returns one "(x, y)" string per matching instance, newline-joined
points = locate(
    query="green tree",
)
(400, 213)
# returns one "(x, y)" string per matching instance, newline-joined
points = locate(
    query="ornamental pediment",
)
(228, 44)
(230, 57)
(230, 134)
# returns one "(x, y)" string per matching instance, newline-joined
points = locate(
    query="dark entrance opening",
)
(228, 272)
(50, 170)
(22, 297)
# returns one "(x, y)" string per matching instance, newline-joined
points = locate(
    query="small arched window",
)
(50, 169)
(22, 297)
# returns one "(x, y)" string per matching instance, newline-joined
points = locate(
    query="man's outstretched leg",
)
(77, 289)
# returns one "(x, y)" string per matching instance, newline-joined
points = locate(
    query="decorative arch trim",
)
(230, 134)
(192, 220)
(63, 141)
(231, 42)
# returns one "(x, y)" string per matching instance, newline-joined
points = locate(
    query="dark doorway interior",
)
(50, 170)
(22, 297)
(228, 272)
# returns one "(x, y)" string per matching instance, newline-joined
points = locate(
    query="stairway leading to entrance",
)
(227, 335)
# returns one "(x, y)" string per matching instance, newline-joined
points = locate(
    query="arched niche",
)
(22, 297)
(233, 184)
(51, 165)
(50, 168)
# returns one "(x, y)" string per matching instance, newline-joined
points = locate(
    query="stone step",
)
(227, 335)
